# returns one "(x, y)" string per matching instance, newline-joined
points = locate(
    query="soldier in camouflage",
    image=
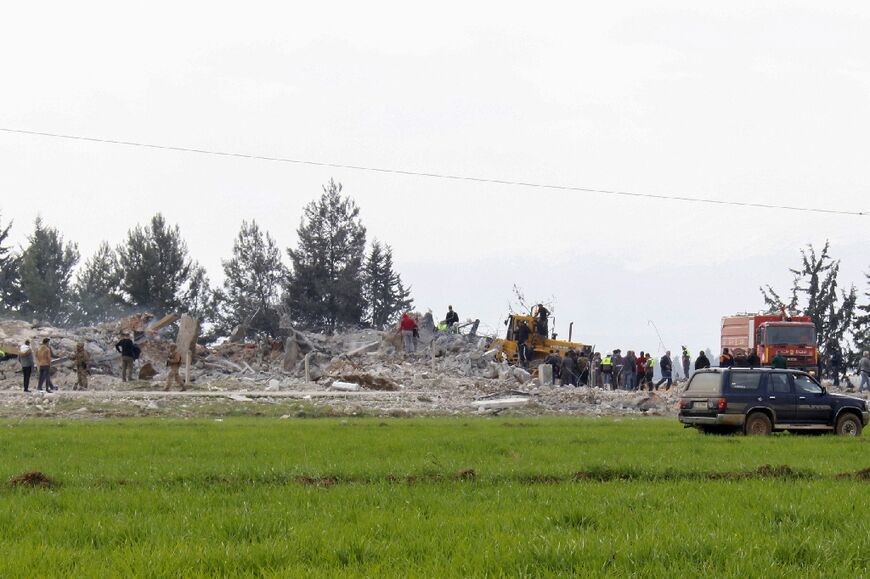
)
(81, 362)
(173, 362)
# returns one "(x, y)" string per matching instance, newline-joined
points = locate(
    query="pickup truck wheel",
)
(758, 424)
(848, 425)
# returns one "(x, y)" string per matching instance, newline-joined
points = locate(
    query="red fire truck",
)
(792, 336)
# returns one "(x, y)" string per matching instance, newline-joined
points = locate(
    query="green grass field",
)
(428, 497)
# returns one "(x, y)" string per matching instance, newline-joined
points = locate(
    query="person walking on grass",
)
(43, 360)
(864, 371)
(25, 358)
(173, 362)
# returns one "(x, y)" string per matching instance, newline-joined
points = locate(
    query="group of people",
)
(620, 372)
(44, 355)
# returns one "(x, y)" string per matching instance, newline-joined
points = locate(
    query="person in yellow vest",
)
(81, 361)
(607, 370)
(173, 362)
(649, 370)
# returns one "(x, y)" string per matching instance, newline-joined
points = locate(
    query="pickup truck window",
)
(745, 381)
(804, 384)
(704, 384)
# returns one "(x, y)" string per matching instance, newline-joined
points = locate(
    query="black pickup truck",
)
(763, 400)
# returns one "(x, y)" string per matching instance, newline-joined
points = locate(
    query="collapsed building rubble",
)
(355, 372)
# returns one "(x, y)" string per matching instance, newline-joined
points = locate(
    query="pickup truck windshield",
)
(791, 335)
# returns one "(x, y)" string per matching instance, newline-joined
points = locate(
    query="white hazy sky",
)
(745, 100)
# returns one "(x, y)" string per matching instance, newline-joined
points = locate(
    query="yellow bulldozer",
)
(538, 345)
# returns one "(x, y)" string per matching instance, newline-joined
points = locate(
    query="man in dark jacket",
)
(125, 348)
(451, 318)
(523, 333)
(702, 362)
(752, 360)
(569, 370)
(554, 360)
(667, 367)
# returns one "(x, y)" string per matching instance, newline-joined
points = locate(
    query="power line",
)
(444, 176)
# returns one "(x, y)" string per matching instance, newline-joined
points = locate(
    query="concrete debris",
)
(449, 374)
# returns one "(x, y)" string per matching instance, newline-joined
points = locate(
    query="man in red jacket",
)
(408, 325)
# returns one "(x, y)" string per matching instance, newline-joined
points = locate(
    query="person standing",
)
(451, 318)
(173, 362)
(25, 358)
(523, 333)
(629, 364)
(43, 360)
(752, 360)
(542, 315)
(702, 362)
(81, 360)
(568, 369)
(667, 371)
(618, 364)
(554, 360)
(779, 361)
(726, 360)
(640, 370)
(686, 358)
(649, 371)
(607, 370)
(125, 348)
(864, 371)
(407, 325)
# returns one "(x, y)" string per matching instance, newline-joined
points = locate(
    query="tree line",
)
(334, 278)
(842, 323)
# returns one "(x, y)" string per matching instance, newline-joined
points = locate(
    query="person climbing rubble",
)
(173, 362)
(407, 326)
(81, 361)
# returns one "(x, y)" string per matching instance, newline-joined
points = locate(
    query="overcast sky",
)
(747, 101)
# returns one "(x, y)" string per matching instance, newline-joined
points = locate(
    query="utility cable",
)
(443, 176)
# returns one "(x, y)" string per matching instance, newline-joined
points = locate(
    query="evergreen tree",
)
(861, 333)
(46, 270)
(252, 281)
(98, 287)
(385, 294)
(10, 287)
(155, 266)
(815, 292)
(324, 289)
(198, 299)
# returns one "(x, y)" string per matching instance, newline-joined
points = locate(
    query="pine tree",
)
(861, 332)
(324, 288)
(252, 281)
(10, 287)
(815, 293)
(198, 299)
(46, 270)
(98, 287)
(385, 294)
(155, 266)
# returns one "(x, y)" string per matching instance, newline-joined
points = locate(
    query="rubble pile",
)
(353, 372)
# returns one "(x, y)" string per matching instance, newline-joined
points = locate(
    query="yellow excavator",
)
(538, 345)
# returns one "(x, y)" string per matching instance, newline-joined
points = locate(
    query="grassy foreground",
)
(428, 497)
